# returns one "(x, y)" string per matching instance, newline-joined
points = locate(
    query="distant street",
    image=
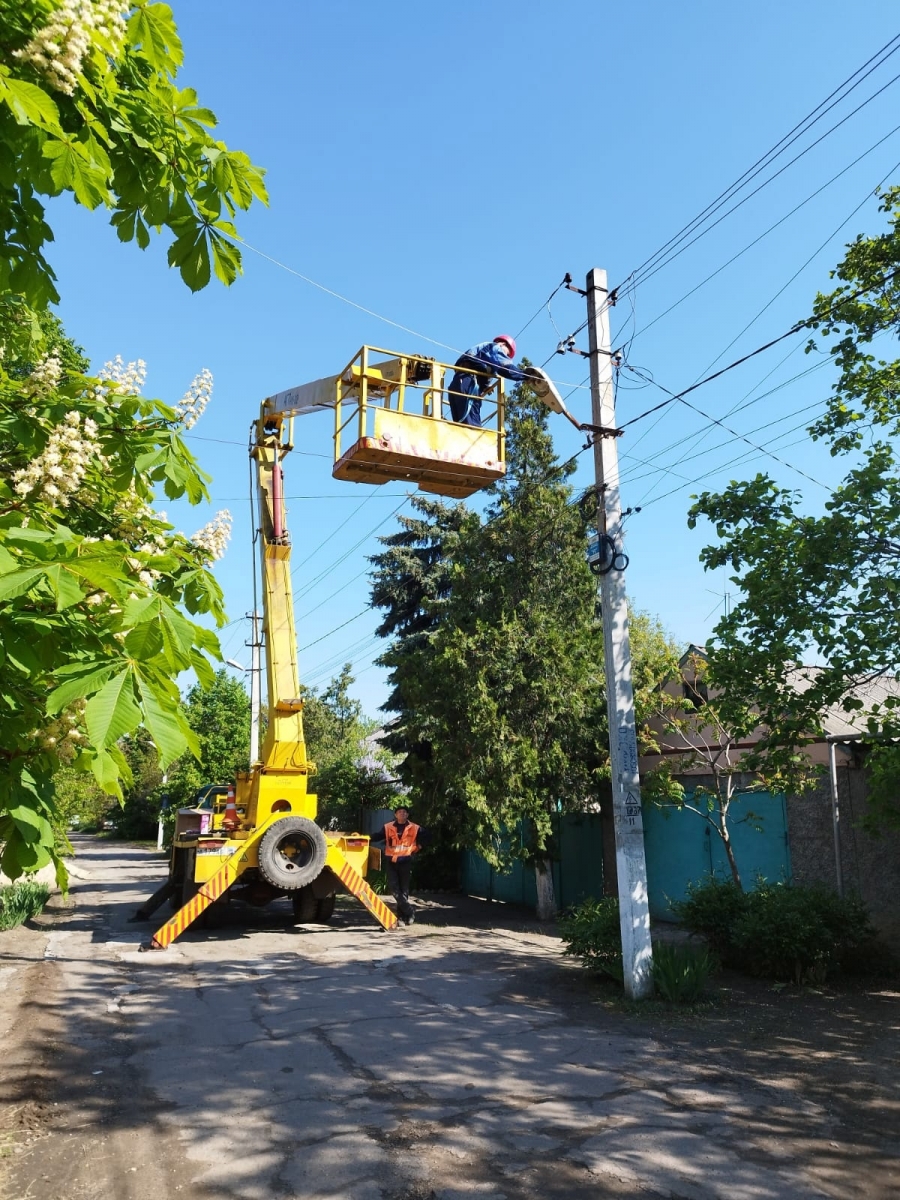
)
(461, 1058)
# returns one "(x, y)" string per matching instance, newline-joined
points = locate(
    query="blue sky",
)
(444, 165)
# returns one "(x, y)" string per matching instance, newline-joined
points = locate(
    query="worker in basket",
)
(473, 374)
(402, 839)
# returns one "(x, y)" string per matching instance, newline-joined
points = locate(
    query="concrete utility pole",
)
(254, 671)
(165, 804)
(637, 953)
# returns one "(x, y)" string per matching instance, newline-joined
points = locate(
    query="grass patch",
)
(681, 972)
(20, 901)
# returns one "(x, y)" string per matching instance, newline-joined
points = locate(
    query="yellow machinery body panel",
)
(395, 414)
(438, 456)
(212, 852)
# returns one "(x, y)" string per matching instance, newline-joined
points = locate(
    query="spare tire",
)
(292, 853)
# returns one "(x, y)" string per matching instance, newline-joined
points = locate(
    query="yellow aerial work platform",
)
(392, 423)
(260, 839)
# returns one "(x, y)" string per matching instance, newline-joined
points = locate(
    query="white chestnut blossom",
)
(215, 535)
(58, 471)
(191, 405)
(127, 378)
(45, 377)
(58, 48)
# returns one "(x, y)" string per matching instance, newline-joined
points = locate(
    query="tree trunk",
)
(546, 901)
(729, 854)
(724, 806)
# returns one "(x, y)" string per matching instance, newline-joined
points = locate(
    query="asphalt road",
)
(454, 1060)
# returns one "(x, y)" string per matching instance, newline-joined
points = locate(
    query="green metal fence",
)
(680, 850)
(577, 871)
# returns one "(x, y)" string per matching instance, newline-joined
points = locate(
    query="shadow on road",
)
(463, 1054)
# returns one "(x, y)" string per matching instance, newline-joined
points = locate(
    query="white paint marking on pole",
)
(637, 952)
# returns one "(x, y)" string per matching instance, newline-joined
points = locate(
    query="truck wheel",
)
(325, 909)
(305, 906)
(292, 853)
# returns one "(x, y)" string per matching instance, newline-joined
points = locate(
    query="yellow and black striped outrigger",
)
(216, 887)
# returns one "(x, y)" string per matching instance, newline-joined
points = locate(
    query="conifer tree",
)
(497, 658)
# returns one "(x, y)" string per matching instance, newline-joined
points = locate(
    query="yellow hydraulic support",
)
(391, 423)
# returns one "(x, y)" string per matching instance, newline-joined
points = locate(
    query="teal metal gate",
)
(681, 848)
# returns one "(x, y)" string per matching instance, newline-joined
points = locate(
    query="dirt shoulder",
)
(70, 1130)
(835, 1047)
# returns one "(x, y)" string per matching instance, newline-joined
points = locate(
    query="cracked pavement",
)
(439, 1062)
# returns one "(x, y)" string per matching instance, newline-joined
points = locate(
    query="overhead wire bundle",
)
(751, 182)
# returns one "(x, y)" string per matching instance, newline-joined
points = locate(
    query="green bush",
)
(779, 931)
(591, 932)
(21, 900)
(680, 972)
(712, 909)
(799, 933)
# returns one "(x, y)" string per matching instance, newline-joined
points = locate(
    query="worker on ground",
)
(402, 839)
(473, 376)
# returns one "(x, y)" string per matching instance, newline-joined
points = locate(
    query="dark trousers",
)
(398, 874)
(465, 402)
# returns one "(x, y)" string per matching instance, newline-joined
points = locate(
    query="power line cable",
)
(692, 436)
(733, 432)
(333, 566)
(746, 457)
(654, 468)
(336, 629)
(243, 445)
(344, 299)
(766, 182)
(798, 328)
(362, 308)
(351, 655)
(868, 196)
(546, 305)
(766, 233)
(321, 496)
(328, 537)
(338, 657)
(744, 402)
(336, 592)
(653, 263)
(796, 274)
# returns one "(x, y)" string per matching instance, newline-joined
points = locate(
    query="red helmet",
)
(510, 341)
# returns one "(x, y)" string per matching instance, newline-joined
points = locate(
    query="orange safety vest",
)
(400, 842)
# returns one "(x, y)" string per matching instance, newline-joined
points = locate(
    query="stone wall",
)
(870, 866)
